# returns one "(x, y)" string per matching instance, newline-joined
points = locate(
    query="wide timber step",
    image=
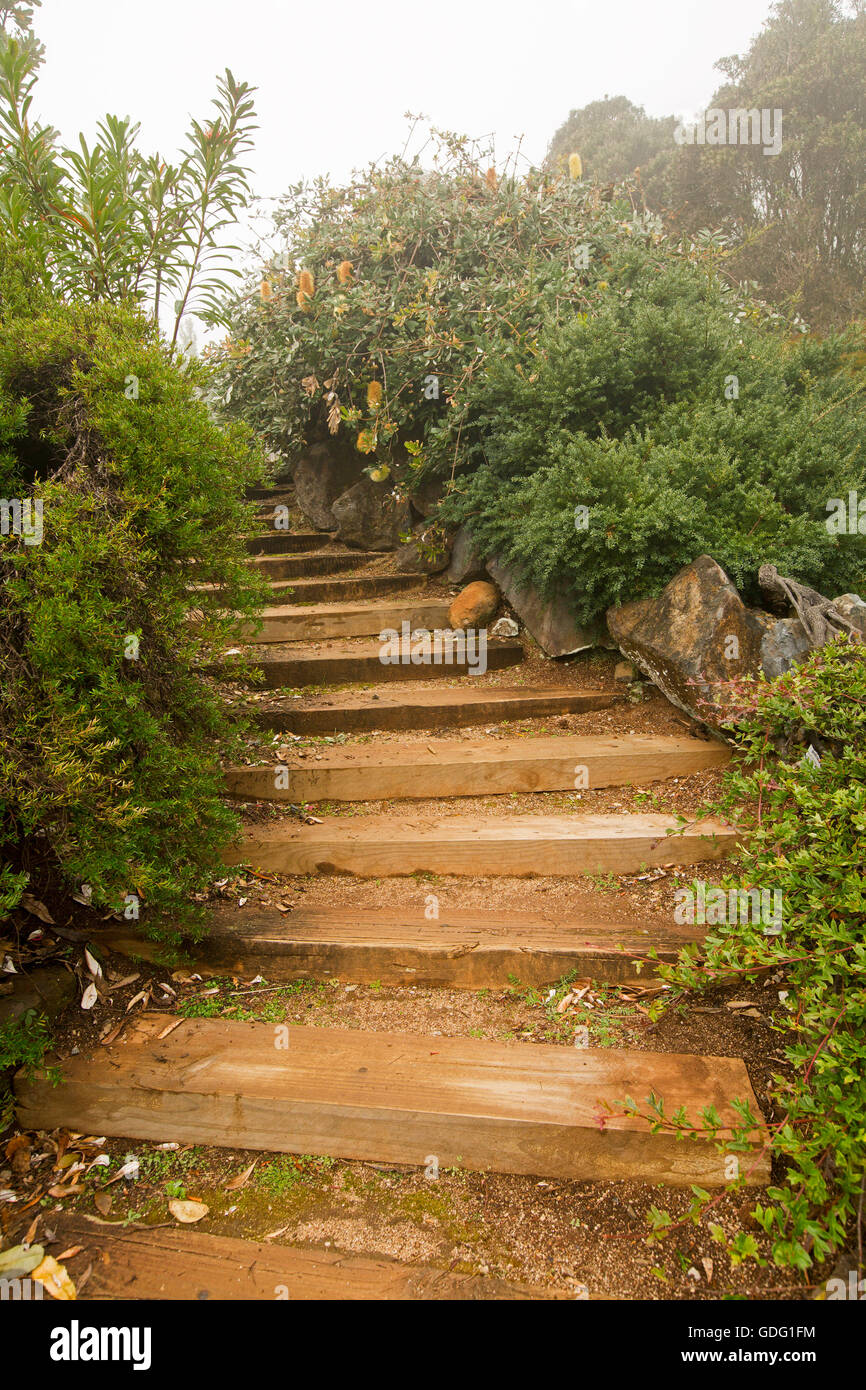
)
(461, 949)
(131, 1264)
(362, 663)
(330, 590)
(420, 708)
(342, 588)
(478, 767)
(276, 493)
(284, 542)
(319, 622)
(311, 563)
(512, 1107)
(492, 846)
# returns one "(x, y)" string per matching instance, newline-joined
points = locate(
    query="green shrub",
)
(806, 839)
(110, 733)
(409, 272)
(627, 413)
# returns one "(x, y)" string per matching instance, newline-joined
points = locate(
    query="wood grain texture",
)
(519, 846)
(337, 665)
(475, 767)
(273, 542)
(321, 622)
(396, 1097)
(420, 708)
(460, 950)
(183, 1265)
(314, 562)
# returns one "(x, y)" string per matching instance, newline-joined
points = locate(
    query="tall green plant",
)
(108, 223)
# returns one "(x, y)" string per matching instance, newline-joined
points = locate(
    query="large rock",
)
(321, 476)
(852, 607)
(466, 564)
(474, 606)
(695, 637)
(425, 554)
(427, 496)
(550, 621)
(369, 517)
(784, 643)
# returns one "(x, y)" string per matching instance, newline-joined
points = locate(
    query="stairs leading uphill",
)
(394, 1097)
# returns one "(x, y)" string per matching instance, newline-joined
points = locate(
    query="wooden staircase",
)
(519, 1108)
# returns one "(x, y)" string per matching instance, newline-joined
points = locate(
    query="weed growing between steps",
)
(110, 733)
(807, 826)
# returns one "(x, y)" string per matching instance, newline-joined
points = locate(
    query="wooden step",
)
(518, 846)
(530, 1108)
(284, 542)
(459, 950)
(342, 589)
(275, 493)
(361, 664)
(182, 1264)
(322, 621)
(338, 589)
(311, 563)
(420, 708)
(477, 767)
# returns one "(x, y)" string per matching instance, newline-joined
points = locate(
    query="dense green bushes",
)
(407, 273)
(109, 733)
(683, 427)
(581, 358)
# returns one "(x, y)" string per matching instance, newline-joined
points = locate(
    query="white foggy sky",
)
(335, 80)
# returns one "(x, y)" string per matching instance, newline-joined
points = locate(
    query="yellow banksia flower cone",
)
(374, 395)
(575, 166)
(490, 176)
(379, 474)
(344, 272)
(265, 290)
(365, 443)
(303, 299)
(306, 283)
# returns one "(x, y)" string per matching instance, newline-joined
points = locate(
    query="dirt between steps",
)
(589, 1237)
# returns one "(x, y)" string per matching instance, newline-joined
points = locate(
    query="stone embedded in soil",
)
(692, 639)
(320, 477)
(474, 606)
(466, 565)
(550, 621)
(421, 556)
(370, 518)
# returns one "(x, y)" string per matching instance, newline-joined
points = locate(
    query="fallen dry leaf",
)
(92, 963)
(102, 1202)
(188, 1212)
(68, 1254)
(53, 1277)
(89, 997)
(242, 1178)
(38, 909)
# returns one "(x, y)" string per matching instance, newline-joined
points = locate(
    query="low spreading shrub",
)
(806, 826)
